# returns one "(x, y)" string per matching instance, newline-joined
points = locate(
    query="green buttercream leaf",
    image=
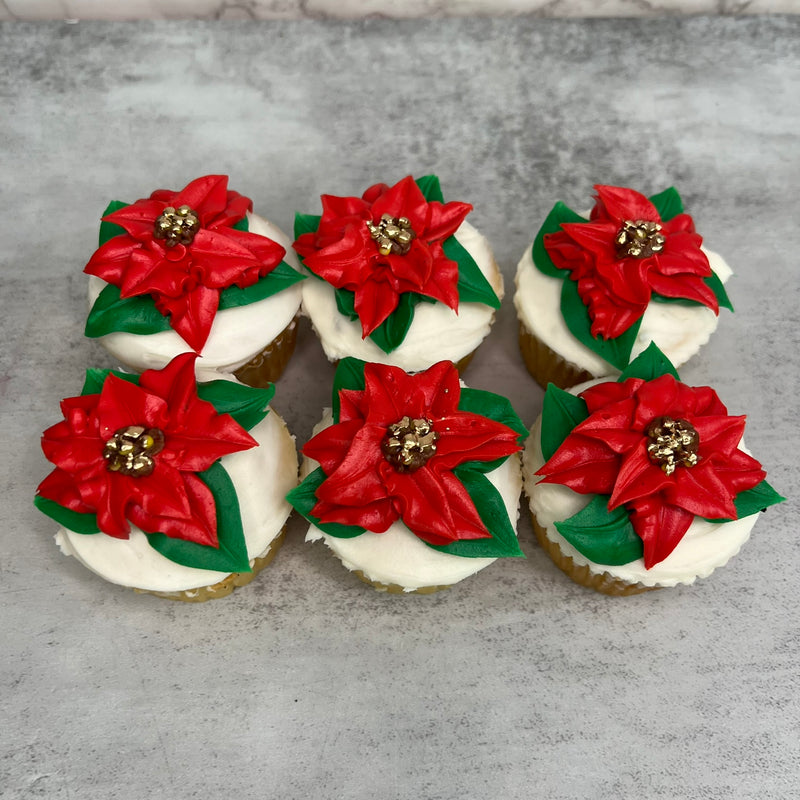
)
(282, 277)
(552, 224)
(346, 303)
(349, 375)
(719, 291)
(430, 188)
(616, 351)
(71, 520)
(492, 511)
(112, 313)
(390, 333)
(650, 364)
(602, 536)
(494, 406)
(305, 223)
(668, 203)
(753, 500)
(108, 230)
(247, 405)
(472, 284)
(561, 412)
(95, 378)
(303, 498)
(231, 555)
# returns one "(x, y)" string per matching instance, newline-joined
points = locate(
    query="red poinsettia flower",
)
(617, 451)
(360, 246)
(380, 464)
(627, 252)
(131, 453)
(181, 248)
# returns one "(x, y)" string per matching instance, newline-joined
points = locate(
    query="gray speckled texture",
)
(517, 683)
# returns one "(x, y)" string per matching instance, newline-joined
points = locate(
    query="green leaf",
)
(576, 315)
(751, 501)
(650, 364)
(430, 188)
(111, 313)
(492, 511)
(303, 498)
(247, 405)
(349, 375)
(108, 230)
(494, 406)
(668, 203)
(305, 223)
(390, 333)
(95, 378)
(346, 303)
(242, 225)
(282, 277)
(71, 520)
(231, 555)
(713, 282)
(561, 413)
(602, 536)
(472, 284)
(719, 291)
(552, 224)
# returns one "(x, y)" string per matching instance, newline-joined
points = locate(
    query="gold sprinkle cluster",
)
(392, 235)
(673, 442)
(409, 444)
(177, 226)
(130, 450)
(639, 239)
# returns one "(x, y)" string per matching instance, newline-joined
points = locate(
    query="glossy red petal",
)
(465, 437)
(621, 204)
(59, 486)
(565, 253)
(404, 199)
(206, 196)
(138, 219)
(375, 517)
(375, 300)
(443, 283)
(343, 263)
(685, 286)
(111, 259)
(123, 403)
(192, 315)
(444, 219)
(660, 528)
(236, 208)
(329, 447)
(638, 477)
(584, 465)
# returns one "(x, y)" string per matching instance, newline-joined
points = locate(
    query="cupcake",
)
(195, 270)
(412, 480)
(399, 276)
(169, 486)
(642, 482)
(593, 293)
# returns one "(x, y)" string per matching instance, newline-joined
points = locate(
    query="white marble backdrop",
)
(350, 9)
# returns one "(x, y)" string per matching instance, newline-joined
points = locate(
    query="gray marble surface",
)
(516, 683)
(358, 9)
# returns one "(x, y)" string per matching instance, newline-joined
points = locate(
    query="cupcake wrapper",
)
(545, 365)
(268, 365)
(227, 585)
(394, 588)
(604, 583)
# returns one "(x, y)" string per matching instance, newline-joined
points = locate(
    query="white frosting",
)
(437, 332)
(704, 547)
(237, 334)
(262, 477)
(678, 330)
(397, 556)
